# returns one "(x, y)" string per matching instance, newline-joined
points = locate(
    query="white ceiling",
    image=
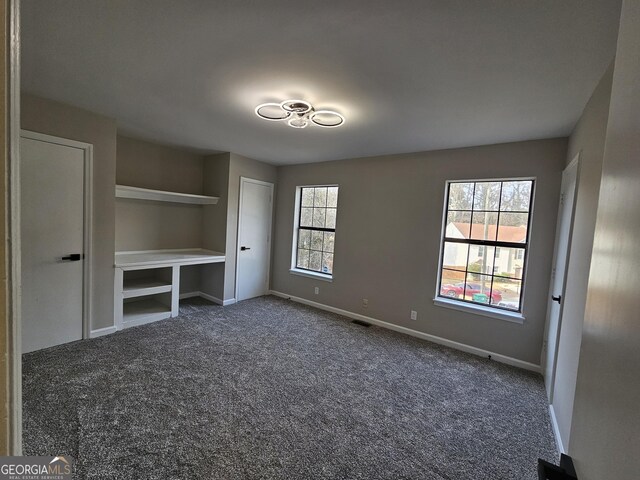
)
(407, 75)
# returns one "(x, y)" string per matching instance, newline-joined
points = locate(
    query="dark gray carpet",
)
(270, 389)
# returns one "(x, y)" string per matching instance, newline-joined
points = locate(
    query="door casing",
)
(549, 382)
(87, 150)
(243, 181)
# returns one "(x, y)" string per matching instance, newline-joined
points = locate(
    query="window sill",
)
(514, 317)
(306, 273)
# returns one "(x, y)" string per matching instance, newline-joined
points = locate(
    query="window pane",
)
(327, 263)
(307, 197)
(487, 196)
(460, 196)
(318, 211)
(455, 256)
(306, 217)
(315, 260)
(477, 288)
(506, 293)
(316, 240)
(331, 218)
(303, 258)
(304, 239)
(516, 196)
(458, 224)
(332, 197)
(484, 226)
(329, 239)
(513, 227)
(320, 199)
(318, 217)
(480, 259)
(510, 263)
(452, 283)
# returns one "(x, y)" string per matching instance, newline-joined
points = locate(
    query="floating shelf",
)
(137, 193)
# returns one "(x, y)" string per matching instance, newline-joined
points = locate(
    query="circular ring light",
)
(272, 112)
(327, 118)
(296, 106)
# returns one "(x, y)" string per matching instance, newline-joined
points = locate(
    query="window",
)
(315, 233)
(484, 242)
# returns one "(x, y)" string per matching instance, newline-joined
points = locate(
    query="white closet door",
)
(254, 246)
(52, 227)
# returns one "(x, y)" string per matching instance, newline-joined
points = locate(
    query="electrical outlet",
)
(316, 290)
(414, 315)
(365, 303)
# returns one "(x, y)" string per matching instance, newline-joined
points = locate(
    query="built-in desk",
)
(153, 292)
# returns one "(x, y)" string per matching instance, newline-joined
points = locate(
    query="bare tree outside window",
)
(316, 228)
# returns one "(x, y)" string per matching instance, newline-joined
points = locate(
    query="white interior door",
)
(52, 182)
(558, 275)
(254, 238)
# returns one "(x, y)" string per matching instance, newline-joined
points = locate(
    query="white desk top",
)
(169, 258)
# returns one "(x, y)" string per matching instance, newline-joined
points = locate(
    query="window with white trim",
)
(485, 240)
(315, 229)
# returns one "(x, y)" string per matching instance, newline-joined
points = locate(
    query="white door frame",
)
(244, 180)
(14, 344)
(575, 163)
(87, 150)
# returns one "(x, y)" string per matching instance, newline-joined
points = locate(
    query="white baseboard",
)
(415, 333)
(206, 296)
(102, 331)
(556, 430)
(182, 296)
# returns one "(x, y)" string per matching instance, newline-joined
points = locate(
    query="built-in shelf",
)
(142, 279)
(140, 287)
(144, 311)
(137, 193)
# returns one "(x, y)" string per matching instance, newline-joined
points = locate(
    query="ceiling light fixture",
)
(299, 114)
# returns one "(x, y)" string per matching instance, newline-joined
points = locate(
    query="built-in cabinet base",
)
(147, 284)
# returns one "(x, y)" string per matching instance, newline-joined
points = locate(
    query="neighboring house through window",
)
(315, 230)
(484, 242)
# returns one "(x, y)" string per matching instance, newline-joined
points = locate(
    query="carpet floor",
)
(271, 389)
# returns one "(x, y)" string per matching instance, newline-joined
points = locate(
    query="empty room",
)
(321, 240)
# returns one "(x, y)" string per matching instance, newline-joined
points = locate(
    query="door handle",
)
(557, 299)
(74, 257)
(244, 248)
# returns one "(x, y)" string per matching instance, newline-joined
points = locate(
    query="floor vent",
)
(361, 323)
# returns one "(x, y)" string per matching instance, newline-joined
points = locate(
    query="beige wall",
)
(149, 165)
(587, 140)
(388, 238)
(605, 434)
(53, 118)
(145, 225)
(215, 182)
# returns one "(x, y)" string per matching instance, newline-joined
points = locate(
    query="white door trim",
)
(14, 292)
(575, 163)
(87, 149)
(244, 180)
